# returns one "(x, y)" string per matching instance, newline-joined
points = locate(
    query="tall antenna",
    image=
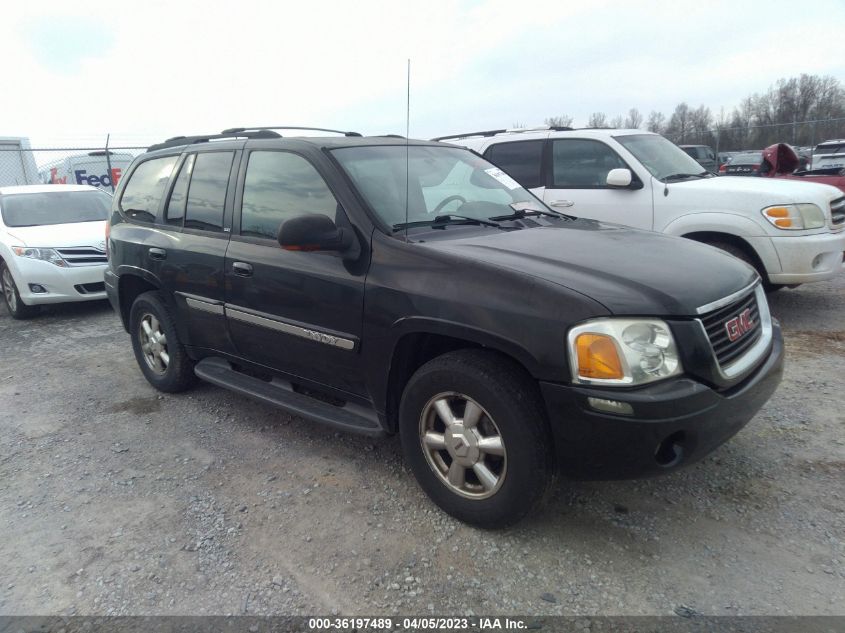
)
(407, 146)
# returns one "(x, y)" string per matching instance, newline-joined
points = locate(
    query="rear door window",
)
(582, 163)
(175, 213)
(522, 160)
(141, 198)
(209, 182)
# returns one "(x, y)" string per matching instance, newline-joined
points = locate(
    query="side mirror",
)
(619, 178)
(313, 232)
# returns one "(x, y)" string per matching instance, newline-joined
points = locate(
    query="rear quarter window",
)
(144, 189)
(521, 159)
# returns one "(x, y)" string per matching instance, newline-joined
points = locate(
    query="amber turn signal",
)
(597, 357)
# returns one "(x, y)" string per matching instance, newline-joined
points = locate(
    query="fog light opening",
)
(670, 451)
(37, 288)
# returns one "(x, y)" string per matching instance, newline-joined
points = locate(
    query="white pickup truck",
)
(791, 232)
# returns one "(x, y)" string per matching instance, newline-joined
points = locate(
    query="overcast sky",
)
(147, 70)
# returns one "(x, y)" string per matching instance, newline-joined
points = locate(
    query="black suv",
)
(380, 285)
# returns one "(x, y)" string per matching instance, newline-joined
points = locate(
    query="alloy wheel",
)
(463, 445)
(9, 290)
(153, 343)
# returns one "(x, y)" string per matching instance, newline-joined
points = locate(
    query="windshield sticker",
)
(502, 177)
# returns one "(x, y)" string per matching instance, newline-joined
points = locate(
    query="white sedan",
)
(52, 245)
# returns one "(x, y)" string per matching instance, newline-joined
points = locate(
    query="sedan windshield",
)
(441, 182)
(662, 158)
(54, 207)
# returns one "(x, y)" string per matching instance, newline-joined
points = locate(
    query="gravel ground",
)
(115, 499)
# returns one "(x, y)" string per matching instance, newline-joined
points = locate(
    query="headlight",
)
(622, 352)
(44, 254)
(794, 217)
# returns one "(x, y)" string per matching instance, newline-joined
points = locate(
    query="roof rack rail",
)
(176, 141)
(540, 128)
(233, 130)
(484, 133)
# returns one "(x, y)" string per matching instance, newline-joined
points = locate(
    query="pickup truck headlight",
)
(622, 352)
(44, 254)
(795, 217)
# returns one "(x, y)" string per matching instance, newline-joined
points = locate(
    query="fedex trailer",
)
(17, 164)
(100, 168)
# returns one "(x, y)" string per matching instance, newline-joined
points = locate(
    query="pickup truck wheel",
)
(474, 432)
(160, 354)
(740, 253)
(17, 308)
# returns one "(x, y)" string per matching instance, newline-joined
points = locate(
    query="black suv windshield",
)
(442, 181)
(662, 158)
(54, 207)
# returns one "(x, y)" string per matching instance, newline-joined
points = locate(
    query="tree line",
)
(801, 111)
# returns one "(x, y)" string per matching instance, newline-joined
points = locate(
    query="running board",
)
(353, 418)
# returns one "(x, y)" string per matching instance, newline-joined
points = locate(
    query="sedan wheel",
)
(9, 290)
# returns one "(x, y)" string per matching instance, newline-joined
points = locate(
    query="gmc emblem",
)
(739, 325)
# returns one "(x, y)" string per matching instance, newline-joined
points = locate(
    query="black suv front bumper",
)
(674, 423)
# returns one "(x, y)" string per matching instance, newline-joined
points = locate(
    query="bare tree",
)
(679, 123)
(563, 120)
(634, 119)
(656, 121)
(597, 119)
(701, 124)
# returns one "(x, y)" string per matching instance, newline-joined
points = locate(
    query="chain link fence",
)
(101, 167)
(759, 136)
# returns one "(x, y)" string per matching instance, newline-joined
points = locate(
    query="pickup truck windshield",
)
(442, 181)
(661, 157)
(54, 207)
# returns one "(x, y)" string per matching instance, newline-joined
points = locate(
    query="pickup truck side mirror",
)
(313, 232)
(620, 178)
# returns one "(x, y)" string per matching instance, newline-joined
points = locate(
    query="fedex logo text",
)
(739, 325)
(106, 180)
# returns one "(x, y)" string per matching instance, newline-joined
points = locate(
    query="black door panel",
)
(304, 291)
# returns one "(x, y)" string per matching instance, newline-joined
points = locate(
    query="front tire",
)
(741, 254)
(16, 307)
(158, 350)
(474, 432)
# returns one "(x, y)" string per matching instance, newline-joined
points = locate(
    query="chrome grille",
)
(837, 211)
(715, 322)
(82, 255)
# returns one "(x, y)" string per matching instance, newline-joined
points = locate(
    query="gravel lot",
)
(115, 499)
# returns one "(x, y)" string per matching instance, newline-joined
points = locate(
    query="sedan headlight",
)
(622, 352)
(794, 217)
(44, 254)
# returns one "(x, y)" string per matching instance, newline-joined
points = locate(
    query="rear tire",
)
(494, 463)
(158, 350)
(16, 307)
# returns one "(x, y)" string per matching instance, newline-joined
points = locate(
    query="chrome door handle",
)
(562, 203)
(242, 269)
(157, 253)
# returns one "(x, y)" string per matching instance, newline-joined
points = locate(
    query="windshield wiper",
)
(520, 212)
(672, 177)
(441, 221)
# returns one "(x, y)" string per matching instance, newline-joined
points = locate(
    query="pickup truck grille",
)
(837, 211)
(733, 322)
(82, 256)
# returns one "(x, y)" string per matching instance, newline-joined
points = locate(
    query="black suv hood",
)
(627, 270)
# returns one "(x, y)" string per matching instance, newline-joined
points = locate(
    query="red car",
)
(781, 161)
